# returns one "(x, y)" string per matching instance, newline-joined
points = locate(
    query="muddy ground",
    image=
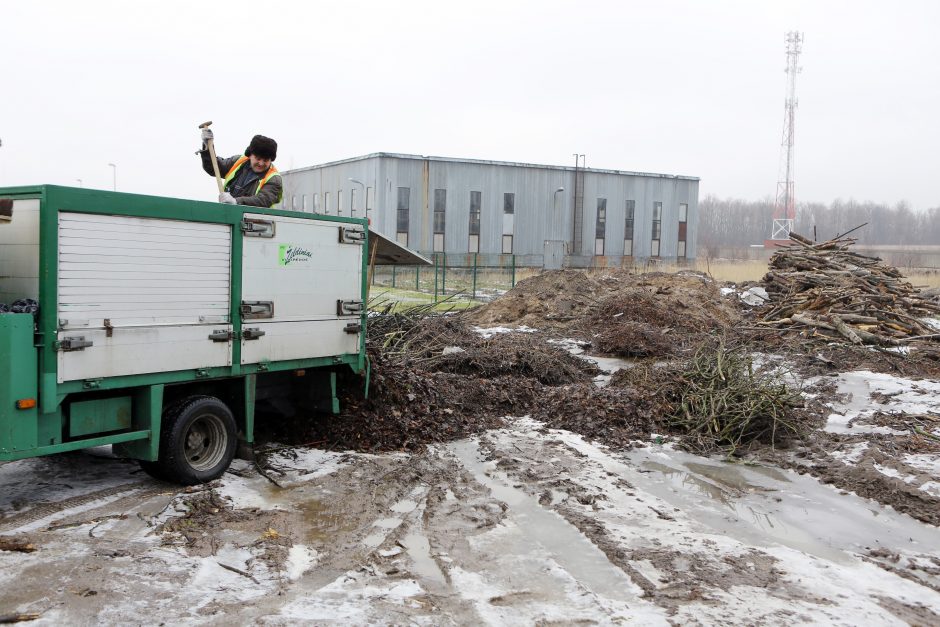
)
(496, 475)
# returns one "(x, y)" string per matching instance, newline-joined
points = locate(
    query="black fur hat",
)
(263, 147)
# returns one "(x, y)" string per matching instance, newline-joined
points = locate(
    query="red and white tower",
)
(785, 202)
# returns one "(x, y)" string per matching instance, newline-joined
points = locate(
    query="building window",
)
(316, 203)
(440, 208)
(475, 204)
(657, 228)
(339, 203)
(509, 219)
(507, 244)
(370, 200)
(303, 203)
(600, 226)
(404, 204)
(293, 202)
(683, 224)
(326, 203)
(628, 228)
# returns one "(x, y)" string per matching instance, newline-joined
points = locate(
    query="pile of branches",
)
(422, 339)
(723, 400)
(832, 293)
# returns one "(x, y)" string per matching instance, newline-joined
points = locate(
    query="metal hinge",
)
(221, 335)
(254, 309)
(72, 344)
(353, 327)
(351, 235)
(253, 227)
(348, 307)
(251, 334)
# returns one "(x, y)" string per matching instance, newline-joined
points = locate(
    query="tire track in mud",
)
(142, 489)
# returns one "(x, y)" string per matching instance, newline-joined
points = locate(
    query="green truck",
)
(164, 323)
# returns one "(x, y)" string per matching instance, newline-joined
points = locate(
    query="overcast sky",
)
(681, 87)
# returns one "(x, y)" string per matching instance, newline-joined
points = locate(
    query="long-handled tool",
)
(210, 144)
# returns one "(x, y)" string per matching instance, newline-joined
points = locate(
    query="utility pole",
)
(784, 213)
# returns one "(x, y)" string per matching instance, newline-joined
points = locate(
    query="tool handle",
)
(215, 165)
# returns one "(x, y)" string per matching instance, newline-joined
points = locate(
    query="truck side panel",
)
(305, 270)
(146, 292)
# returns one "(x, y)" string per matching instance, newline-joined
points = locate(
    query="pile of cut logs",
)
(829, 292)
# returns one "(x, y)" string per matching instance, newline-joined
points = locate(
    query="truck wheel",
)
(197, 442)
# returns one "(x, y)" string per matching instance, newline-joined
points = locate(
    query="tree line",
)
(739, 223)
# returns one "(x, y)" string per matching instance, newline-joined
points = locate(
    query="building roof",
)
(395, 155)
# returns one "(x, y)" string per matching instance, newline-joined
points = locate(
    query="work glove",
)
(206, 135)
(227, 199)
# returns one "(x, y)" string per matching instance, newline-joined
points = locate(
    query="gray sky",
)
(681, 87)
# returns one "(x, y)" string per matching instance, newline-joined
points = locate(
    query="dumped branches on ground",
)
(724, 400)
(826, 291)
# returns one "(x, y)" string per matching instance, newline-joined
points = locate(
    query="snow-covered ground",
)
(519, 525)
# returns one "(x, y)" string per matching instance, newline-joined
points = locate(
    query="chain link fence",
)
(479, 277)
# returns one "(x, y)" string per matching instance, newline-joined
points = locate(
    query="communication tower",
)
(785, 202)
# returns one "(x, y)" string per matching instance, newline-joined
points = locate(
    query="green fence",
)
(478, 277)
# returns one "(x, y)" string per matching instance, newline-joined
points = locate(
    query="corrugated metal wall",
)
(540, 215)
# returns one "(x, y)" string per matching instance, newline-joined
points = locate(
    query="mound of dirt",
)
(620, 313)
(551, 298)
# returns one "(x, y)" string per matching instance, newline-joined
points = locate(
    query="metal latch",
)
(348, 307)
(221, 335)
(254, 227)
(251, 334)
(353, 327)
(73, 344)
(253, 309)
(351, 235)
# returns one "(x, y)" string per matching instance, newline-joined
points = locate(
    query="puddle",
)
(384, 526)
(767, 505)
(322, 523)
(419, 550)
(549, 532)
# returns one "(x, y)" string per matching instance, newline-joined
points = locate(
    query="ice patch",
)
(852, 455)
(300, 559)
(931, 487)
(353, 597)
(925, 462)
(904, 396)
(489, 332)
(894, 473)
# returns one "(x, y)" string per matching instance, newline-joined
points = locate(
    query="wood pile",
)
(832, 293)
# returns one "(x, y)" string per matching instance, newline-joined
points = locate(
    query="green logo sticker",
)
(288, 254)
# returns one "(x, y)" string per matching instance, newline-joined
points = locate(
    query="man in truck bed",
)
(251, 179)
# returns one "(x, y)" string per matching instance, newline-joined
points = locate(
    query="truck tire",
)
(197, 442)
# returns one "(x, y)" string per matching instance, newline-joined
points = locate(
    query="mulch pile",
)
(619, 313)
(436, 378)
(825, 291)
(616, 416)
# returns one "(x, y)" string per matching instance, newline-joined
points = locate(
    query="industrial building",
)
(547, 216)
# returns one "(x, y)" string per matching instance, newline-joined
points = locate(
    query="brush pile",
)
(827, 291)
(724, 400)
